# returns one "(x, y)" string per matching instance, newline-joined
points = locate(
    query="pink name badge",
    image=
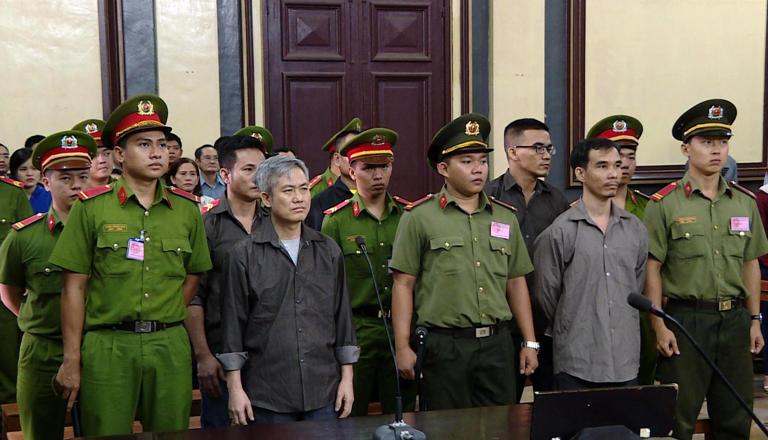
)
(500, 230)
(739, 224)
(135, 249)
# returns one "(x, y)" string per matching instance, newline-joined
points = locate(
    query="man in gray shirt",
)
(587, 263)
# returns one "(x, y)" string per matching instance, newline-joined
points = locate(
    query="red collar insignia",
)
(443, 201)
(122, 195)
(356, 209)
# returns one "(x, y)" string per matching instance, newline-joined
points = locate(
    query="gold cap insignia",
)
(619, 126)
(378, 140)
(257, 136)
(472, 129)
(146, 108)
(91, 128)
(715, 112)
(68, 142)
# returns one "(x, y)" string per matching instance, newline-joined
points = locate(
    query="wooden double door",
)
(385, 61)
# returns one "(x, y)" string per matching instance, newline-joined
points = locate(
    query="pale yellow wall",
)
(50, 77)
(671, 55)
(516, 69)
(258, 61)
(455, 58)
(188, 69)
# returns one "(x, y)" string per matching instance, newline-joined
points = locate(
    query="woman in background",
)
(23, 171)
(184, 174)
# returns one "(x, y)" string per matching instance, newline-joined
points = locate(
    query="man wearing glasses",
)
(529, 154)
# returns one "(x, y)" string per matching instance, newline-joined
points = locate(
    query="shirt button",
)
(687, 235)
(299, 330)
(146, 295)
(717, 252)
(480, 289)
(605, 246)
(474, 239)
(147, 268)
(146, 239)
(716, 227)
(607, 274)
(386, 287)
(115, 246)
(477, 263)
(482, 315)
(383, 266)
(178, 250)
(741, 234)
(2, 220)
(447, 244)
(298, 301)
(357, 252)
(712, 205)
(146, 213)
(301, 360)
(381, 244)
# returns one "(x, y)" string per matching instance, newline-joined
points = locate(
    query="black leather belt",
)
(722, 305)
(483, 331)
(141, 326)
(371, 312)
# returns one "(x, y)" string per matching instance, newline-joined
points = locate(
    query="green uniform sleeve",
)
(331, 228)
(406, 250)
(757, 246)
(11, 263)
(23, 208)
(200, 259)
(74, 249)
(520, 263)
(657, 231)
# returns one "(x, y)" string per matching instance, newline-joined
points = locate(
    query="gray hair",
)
(273, 168)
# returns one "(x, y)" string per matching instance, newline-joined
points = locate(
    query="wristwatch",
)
(530, 344)
(758, 317)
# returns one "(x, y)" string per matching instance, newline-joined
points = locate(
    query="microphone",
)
(644, 304)
(398, 430)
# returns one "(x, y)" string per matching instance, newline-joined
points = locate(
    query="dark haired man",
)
(211, 183)
(175, 148)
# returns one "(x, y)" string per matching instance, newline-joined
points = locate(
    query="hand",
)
(209, 375)
(68, 381)
(240, 409)
(756, 341)
(529, 360)
(345, 396)
(666, 343)
(406, 361)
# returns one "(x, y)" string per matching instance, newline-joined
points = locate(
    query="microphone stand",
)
(398, 429)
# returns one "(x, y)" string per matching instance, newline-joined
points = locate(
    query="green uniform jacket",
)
(24, 264)
(636, 203)
(701, 243)
(15, 205)
(322, 182)
(120, 289)
(461, 260)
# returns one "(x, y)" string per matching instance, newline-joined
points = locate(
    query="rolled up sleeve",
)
(234, 307)
(346, 348)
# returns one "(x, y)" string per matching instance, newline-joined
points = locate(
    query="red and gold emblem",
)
(715, 112)
(257, 136)
(619, 126)
(378, 140)
(146, 108)
(68, 141)
(472, 128)
(91, 128)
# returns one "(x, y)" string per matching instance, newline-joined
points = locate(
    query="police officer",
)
(259, 133)
(324, 181)
(15, 207)
(64, 159)
(137, 248)
(102, 164)
(373, 214)
(460, 265)
(705, 238)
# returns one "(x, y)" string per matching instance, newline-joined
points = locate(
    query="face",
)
(64, 185)
(523, 157)
(343, 163)
(602, 174)
(186, 177)
(371, 179)
(101, 166)
(174, 151)
(209, 160)
(628, 162)
(144, 156)
(4, 160)
(27, 174)
(290, 199)
(465, 173)
(707, 154)
(239, 179)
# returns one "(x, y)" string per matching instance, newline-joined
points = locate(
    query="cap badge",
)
(146, 108)
(715, 112)
(472, 128)
(257, 136)
(619, 126)
(378, 140)
(91, 128)
(68, 141)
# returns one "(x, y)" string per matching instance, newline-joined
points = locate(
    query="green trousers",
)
(375, 371)
(9, 355)
(126, 374)
(649, 356)
(462, 372)
(724, 336)
(41, 411)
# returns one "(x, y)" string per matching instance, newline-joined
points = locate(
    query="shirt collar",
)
(690, 186)
(219, 181)
(358, 206)
(580, 212)
(265, 233)
(445, 198)
(124, 192)
(52, 219)
(509, 181)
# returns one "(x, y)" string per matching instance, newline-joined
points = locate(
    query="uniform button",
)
(178, 250)
(381, 244)
(357, 252)
(147, 268)
(147, 239)
(741, 234)
(298, 301)
(477, 263)
(503, 249)
(115, 246)
(480, 289)
(146, 295)
(482, 315)
(474, 239)
(2, 220)
(687, 235)
(712, 205)
(299, 330)
(47, 270)
(447, 244)
(717, 252)
(386, 287)
(146, 213)
(716, 227)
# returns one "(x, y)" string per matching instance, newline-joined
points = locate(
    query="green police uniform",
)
(259, 133)
(710, 239)
(343, 223)
(462, 262)
(15, 207)
(135, 352)
(324, 181)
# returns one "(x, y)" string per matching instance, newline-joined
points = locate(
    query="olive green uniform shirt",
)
(326, 180)
(635, 203)
(461, 260)
(351, 221)
(14, 207)
(119, 289)
(24, 265)
(702, 243)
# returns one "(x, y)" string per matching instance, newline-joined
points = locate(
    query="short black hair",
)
(17, 160)
(32, 140)
(228, 146)
(580, 151)
(518, 126)
(199, 150)
(173, 137)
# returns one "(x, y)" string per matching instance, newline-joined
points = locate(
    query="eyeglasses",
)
(540, 148)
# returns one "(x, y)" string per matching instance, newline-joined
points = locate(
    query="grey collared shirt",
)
(583, 278)
(287, 327)
(216, 191)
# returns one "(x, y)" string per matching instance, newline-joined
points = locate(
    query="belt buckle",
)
(142, 326)
(482, 332)
(724, 305)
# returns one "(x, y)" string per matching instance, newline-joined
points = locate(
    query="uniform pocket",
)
(499, 259)
(111, 254)
(47, 277)
(176, 251)
(688, 240)
(447, 254)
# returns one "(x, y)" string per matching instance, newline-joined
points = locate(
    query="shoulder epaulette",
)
(315, 180)
(412, 205)
(660, 194)
(10, 181)
(93, 192)
(504, 204)
(27, 221)
(641, 194)
(181, 193)
(205, 207)
(333, 209)
(742, 189)
(401, 200)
